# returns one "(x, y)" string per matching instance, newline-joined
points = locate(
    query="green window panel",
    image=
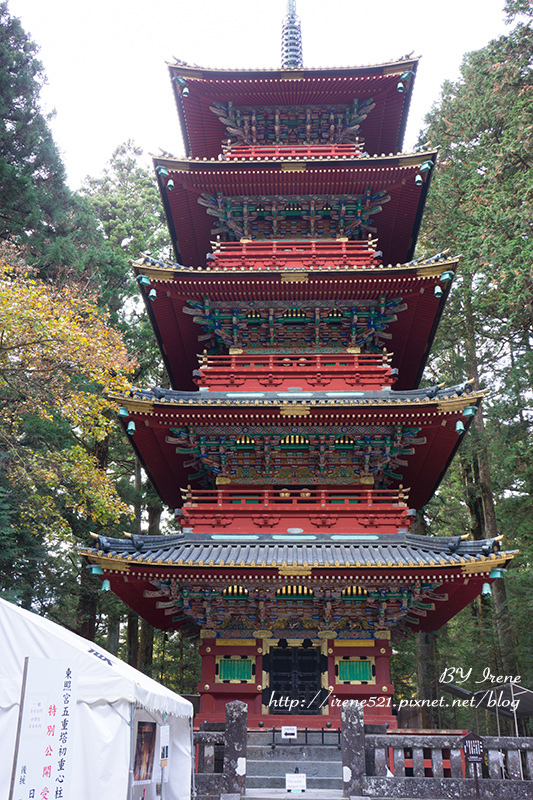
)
(235, 669)
(355, 670)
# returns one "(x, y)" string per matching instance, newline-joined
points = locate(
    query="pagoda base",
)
(304, 679)
(265, 722)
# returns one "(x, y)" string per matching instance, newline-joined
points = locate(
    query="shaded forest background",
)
(72, 328)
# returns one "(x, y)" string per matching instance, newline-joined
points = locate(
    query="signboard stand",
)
(289, 732)
(474, 751)
(44, 742)
(295, 782)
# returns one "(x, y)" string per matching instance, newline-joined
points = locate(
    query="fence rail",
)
(283, 151)
(331, 363)
(298, 253)
(380, 765)
(300, 499)
(419, 756)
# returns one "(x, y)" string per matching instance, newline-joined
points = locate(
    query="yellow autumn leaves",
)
(59, 359)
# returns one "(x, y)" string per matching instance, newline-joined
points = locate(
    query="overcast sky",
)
(106, 59)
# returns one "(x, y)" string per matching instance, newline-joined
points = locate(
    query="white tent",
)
(113, 700)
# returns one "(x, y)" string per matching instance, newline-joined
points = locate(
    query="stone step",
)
(270, 767)
(312, 737)
(278, 782)
(270, 793)
(294, 753)
(280, 794)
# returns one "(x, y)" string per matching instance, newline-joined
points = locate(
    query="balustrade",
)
(295, 253)
(386, 499)
(249, 152)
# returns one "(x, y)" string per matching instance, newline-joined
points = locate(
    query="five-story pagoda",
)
(297, 447)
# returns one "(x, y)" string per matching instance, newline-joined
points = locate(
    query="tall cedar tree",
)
(481, 206)
(81, 242)
(127, 205)
(32, 178)
(52, 468)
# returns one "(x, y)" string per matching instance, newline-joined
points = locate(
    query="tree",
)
(57, 228)
(58, 360)
(514, 8)
(32, 178)
(480, 206)
(127, 205)
(63, 468)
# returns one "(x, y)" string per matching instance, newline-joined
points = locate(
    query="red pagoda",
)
(295, 445)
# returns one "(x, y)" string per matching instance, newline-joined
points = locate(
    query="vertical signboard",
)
(44, 746)
(474, 750)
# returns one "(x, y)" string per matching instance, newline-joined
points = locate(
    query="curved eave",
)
(383, 130)
(412, 333)
(397, 224)
(424, 471)
(225, 401)
(295, 163)
(216, 74)
(459, 577)
(161, 560)
(172, 272)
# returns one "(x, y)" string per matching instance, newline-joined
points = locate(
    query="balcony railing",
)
(244, 502)
(284, 151)
(290, 362)
(366, 371)
(295, 254)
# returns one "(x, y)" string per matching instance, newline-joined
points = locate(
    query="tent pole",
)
(193, 757)
(164, 722)
(132, 751)
(19, 725)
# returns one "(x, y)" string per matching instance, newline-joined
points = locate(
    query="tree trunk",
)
(138, 495)
(470, 475)
(89, 588)
(133, 639)
(154, 519)
(418, 526)
(427, 677)
(182, 666)
(113, 634)
(504, 626)
(87, 607)
(146, 655)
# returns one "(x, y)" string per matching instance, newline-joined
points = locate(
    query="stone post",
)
(235, 739)
(353, 749)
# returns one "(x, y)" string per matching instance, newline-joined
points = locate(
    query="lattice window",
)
(245, 442)
(344, 443)
(235, 591)
(354, 591)
(355, 670)
(294, 593)
(234, 669)
(294, 442)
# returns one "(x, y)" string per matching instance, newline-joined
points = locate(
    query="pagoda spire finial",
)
(291, 39)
